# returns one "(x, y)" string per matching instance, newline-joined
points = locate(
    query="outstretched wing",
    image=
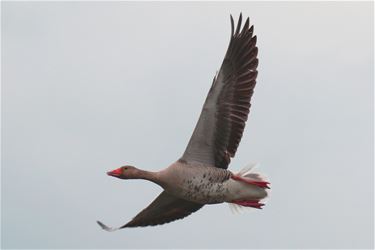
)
(220, 126)
(165, 208)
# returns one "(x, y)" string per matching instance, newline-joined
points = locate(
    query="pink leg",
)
(262, 184)
(250, 203)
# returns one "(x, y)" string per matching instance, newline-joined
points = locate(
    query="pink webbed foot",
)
(250, 203)
(262, 184)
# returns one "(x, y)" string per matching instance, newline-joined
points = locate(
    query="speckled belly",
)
(204, 191)
(201, 190)
(207, 185)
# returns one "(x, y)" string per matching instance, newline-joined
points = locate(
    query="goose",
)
(200, 176)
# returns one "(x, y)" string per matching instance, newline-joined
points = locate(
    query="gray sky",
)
(88, 87)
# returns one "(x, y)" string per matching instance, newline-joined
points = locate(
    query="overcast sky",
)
(90, 86)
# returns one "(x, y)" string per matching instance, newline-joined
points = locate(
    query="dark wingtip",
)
(246, 25)
(239, 24)
(251, 29)
(105, 227)
(232, 25)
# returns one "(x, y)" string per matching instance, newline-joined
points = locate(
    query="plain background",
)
(90, 86)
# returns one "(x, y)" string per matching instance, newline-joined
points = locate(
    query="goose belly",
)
(201, 191)
(205, 192)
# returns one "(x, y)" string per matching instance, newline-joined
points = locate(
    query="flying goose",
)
(200, 176)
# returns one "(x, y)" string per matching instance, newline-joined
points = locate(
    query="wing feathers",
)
(246, 26)
(238, 25)
(231, 25)
(165, 208)
(220, 127)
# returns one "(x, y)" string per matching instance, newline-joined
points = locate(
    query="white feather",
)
(248, 172)
(247, 169)
(237, 209)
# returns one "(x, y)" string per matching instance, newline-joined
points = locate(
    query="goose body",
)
(200, 176)
(206, 184)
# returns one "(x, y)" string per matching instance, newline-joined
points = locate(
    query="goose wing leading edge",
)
(165, 208)
(220, 126)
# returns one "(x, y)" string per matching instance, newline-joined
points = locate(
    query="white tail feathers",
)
(249, 172)
(247, 169)
(237, 209)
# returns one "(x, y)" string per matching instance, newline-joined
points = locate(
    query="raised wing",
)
(165, 208)
(220, 126)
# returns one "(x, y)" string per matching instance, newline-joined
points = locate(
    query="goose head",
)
(125, 172)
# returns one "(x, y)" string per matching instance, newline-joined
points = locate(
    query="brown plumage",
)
(200, 176)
